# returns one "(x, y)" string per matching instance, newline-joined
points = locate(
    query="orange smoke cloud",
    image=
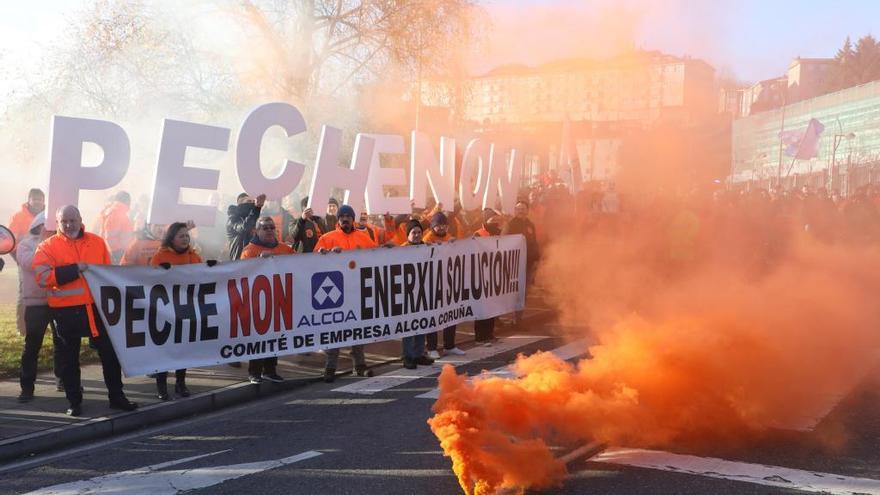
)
(699, 343)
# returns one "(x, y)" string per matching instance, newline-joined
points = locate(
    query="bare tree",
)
(323, 46)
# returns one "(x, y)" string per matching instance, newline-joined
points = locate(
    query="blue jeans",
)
(414, 346)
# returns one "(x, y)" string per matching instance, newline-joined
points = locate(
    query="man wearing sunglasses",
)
(265, 244)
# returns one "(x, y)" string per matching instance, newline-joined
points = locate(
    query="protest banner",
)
(198, 315)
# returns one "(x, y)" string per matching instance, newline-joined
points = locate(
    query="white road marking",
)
(399, 377)
(148, 480)
(201, 438)
(337, 402)
(566, 352)
(378, 473)
(794, 479)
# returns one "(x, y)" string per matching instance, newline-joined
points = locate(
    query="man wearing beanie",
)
(306, 229)
(439, 231)
(345, 237)
(414, 346)
(491, 224)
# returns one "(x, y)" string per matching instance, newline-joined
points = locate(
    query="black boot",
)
(329, 375)
(162, 387)
(180, 384)
(362, 370)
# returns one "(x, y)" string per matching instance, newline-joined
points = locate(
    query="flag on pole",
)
(803, 144)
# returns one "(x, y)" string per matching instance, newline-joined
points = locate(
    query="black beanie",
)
(411, 225)
(439, 219)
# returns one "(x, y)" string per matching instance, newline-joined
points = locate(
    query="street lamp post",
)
(838, 138)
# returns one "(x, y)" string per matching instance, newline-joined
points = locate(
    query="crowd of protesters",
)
(747, 227)
(54, 295)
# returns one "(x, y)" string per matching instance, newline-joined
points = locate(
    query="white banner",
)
(196, 315)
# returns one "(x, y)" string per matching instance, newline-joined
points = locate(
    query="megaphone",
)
(7, 240)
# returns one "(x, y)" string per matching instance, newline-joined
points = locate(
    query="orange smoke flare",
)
(712, 355)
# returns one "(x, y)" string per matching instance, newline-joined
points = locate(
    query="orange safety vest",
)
(58, 251)
(116, 227)
(20, 223)
(140, 251)
(430, 236)
(337, 238)
(172, 257)
(255, 250)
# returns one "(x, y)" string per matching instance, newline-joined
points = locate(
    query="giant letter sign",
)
(425, 168)
(380, 176)
(503, 183)
(329, 175)
(172, 174)
(474, 174)
(247, 152)
(67, 176)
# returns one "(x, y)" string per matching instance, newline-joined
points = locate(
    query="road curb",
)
(23, 446)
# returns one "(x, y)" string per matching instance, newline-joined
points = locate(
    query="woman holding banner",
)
(176, 249)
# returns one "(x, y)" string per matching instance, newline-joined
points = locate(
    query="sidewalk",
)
(41, 425)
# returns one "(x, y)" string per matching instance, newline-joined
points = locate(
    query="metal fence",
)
(849, 148)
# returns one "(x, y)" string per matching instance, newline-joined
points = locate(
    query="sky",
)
(753, 39)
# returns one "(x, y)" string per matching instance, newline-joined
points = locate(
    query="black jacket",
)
(305, 233)
(240, 225)
(525, 227)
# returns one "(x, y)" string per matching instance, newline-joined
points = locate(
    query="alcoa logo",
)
(327, 290)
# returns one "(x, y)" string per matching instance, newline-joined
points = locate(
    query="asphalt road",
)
(316, 440)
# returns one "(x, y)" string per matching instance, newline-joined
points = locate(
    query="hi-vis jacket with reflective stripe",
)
(55, 266)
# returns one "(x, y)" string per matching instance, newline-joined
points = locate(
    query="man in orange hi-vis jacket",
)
(116, 228)
(20, 222)
(59, 264)
(345, 237)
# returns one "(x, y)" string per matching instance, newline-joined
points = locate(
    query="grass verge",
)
(12, 343)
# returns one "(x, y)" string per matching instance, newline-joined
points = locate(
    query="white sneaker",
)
(433, 354)
(455, 351)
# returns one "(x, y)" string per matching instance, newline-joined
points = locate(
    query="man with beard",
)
(241, 222)
(59, 264)
(345, 237)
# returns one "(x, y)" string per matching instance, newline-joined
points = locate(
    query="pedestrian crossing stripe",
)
(399, 377)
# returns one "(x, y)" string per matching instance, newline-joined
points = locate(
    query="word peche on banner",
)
(196, 315)
(489, 174)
